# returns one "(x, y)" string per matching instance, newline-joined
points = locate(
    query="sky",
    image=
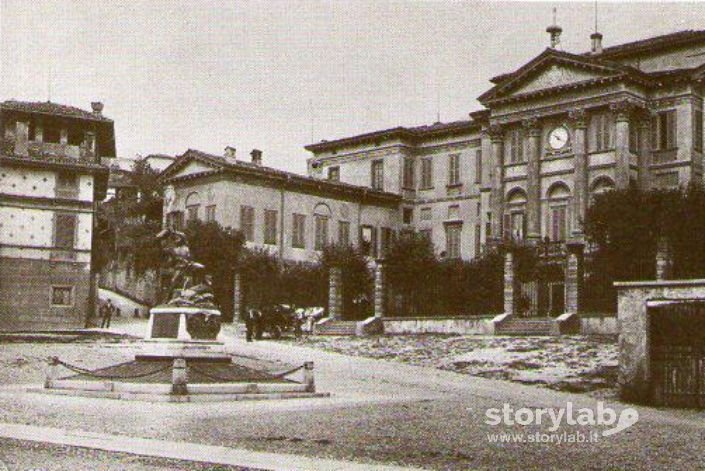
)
(278, 75)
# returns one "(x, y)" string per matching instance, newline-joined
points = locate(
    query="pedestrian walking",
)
(252, 316)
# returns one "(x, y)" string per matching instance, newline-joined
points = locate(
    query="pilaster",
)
(622, 110)
(533, 179)
(580, 192)
(497, 193)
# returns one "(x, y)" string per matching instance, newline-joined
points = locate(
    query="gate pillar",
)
(335, 293)
(574, 276)
(511, 285)
(380, 289)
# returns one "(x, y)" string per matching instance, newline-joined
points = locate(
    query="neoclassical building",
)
(554, 132)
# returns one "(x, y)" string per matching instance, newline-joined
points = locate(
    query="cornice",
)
(46, 203)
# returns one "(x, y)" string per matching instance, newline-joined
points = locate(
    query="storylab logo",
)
(600, 421)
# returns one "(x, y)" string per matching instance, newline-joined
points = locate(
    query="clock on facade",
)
(558, 138)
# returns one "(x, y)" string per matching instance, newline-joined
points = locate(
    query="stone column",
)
(574, 276)
(497, 192)
(380, 289)
(644, 151)
(622, 110)
(663, 259)
(309, 379)
(581, 195)
(335, 293)
(237, 296)
(511, 285)
(179, 377)
(533, 180)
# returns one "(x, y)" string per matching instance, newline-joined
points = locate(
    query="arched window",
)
(558, 199)
(514, 223)
(193, 203)
(601, 185)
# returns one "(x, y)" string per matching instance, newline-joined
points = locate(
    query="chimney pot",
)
(97, 107)
(256, 156)
(596, 42)
(230, 153)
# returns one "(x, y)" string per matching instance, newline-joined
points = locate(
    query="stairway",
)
(336, 328)
(526, 326)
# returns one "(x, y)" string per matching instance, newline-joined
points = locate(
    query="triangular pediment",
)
(551, 69)
(556, 75)
(192, 162)
(192, 167)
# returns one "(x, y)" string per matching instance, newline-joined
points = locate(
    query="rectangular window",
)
(65, 231)
(408, 176)
(407, 215)
(454, 169)
(515, 146)
(453, 240)
(601, 136)
(698, 130)
(666, 181)
(426, 173)
(368, 240)
(61, 296)
(298, 238)
(66, 185)
(558, 223)
(454, 211)
(210, 213)
(192, 213)
(321, 232)
(664, 131)
(478, 166)
(343, 233)
(634, 139)
(378, 175)
(247, 222)
(386, 241)
(517, 222)
(270, 226)
(334, 174)
(426, 214)
(175, 220)
(52, 133)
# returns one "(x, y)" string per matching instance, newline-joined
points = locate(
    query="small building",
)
(288, 214)
(50, 181)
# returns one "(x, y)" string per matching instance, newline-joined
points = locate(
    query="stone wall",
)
(634, 336)
(599, 325)
(438, 325)
(26, 294)
(143, 288)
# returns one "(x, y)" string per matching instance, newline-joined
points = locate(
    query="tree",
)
(411, 268)
(221, 250)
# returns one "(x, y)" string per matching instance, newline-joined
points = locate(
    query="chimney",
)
(256, 156)
(596, 42)
(230, 153)
(97, 108)
(555, 31)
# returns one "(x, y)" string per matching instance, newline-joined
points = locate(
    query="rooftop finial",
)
(596, 37)
(555, 31)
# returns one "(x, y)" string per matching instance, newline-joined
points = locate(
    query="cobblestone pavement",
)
(575, 363)
(24, 455)
(380, 411)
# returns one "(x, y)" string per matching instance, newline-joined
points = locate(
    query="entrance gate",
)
(677, 333)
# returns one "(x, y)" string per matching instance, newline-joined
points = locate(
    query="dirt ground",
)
(569, 363)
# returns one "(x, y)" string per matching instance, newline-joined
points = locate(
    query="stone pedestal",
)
(182, 332)
(335, 293)
(574, 276)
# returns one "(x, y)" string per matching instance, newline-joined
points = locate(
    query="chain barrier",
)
(215, 377)
(84, 371)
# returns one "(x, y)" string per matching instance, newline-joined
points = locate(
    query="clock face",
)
(558, 138)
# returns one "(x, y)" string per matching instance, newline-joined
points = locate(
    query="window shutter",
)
(654, 133)
(65, 231)
(507, 227)
(672, 127)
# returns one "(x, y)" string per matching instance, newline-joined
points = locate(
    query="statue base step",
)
(188, 349)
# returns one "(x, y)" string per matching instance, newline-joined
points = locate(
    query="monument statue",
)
(189, 290)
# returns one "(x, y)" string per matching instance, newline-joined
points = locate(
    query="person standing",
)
(251, 320)
(107, 314)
